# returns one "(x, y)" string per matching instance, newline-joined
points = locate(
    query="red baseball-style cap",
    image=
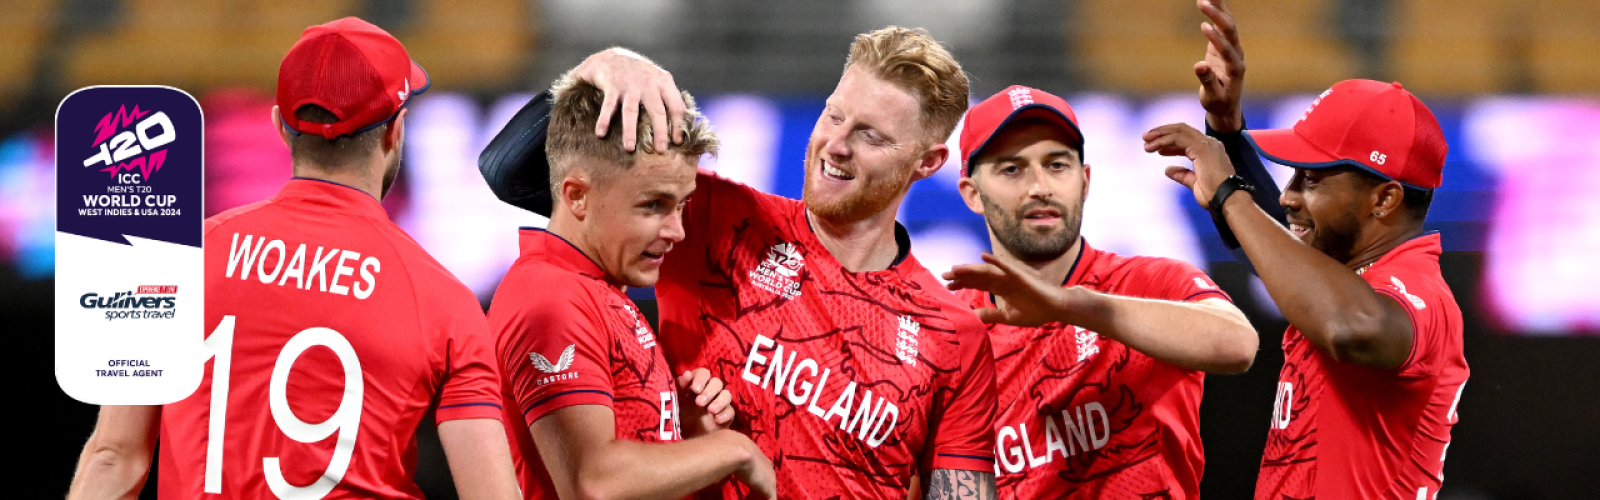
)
(1015, 102)
(1374, 126)
(352, 68)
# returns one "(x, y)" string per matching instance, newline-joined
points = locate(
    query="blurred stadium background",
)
(1515, 84)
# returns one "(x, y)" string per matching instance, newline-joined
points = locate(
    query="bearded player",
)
(593, 410)
(1373, 365)
(331, 333)
(1102, 360)
(849, 364)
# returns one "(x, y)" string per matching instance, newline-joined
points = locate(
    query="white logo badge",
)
(1086, 343)
(561, 365)
(640, 331)
(905, 346)
(1020, 98)
(407, 91)
(1401, 287)
(780, 272)
(1202, 283)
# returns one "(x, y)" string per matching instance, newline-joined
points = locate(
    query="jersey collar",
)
(1080, 266)
(336, 197)
(1427, 243)
(902, 241)
(544, 245)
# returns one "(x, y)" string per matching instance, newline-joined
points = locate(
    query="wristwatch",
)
(1226, 189)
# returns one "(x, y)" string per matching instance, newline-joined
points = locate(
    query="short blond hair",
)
(575, 108)
(913, 61)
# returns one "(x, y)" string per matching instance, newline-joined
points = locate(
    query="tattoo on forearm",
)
(949, 484)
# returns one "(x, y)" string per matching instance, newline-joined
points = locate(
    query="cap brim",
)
(1287, 148)
(1026, 111)
(419, 75)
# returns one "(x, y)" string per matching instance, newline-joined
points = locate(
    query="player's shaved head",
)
(575, 108)
(913, 61)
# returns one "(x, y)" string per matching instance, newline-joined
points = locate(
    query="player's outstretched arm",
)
(586, 461)
(480, 459)
(116, 460)
(1210, 335)
(951, 484)
(1337, 310)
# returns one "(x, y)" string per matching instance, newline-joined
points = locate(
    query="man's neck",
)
(1051, 270)
(1381, 245)
(864, 245)
(355, 177)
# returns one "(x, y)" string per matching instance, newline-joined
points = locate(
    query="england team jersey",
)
(330, 335)
(1084, 416)
(566, 335)
(850, 382)
(1345, 431)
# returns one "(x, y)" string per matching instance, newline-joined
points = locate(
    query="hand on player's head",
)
(631, 81)
(713, 404)
(1221, 74)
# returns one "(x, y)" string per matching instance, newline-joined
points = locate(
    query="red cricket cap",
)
(1374, 126)
(352, 68)
(1015, 102)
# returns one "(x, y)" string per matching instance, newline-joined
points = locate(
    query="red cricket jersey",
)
(1084, 416)
(850, 382)
(331, 333)
(1345, 431)
(567, 335)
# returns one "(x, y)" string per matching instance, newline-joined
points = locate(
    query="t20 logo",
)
(137, 146)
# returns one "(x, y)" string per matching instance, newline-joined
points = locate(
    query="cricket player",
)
(594, 411)
(1373, 365)
(1102, 358)
(331, 333)
(848, 362)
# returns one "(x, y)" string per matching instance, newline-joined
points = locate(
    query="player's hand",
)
(712, 409)
(1211, 165)
(1221, 74)
(757, 473)
(1026, 299)
(634, 81)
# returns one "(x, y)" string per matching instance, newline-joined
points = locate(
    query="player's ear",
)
(969, 194)
(277, 121)
(930, 162)
(1387, 199)
(1086, 177)
(575, 191)
(394, 134)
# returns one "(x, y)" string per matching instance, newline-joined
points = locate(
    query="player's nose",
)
(672, 230)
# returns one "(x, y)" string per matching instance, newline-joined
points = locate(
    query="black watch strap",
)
(1226, 189)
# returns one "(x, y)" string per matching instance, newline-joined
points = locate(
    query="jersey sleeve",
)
(961, 425)
(1176, 280)
(1415, 293)
(471, 386)
(555, 354)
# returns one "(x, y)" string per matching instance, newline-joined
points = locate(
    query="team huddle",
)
(803, 351)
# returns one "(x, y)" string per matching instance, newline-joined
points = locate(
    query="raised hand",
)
(1211, 165)
(634, 81)
(712, 409)
(1221, 74)
(1026, 299)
